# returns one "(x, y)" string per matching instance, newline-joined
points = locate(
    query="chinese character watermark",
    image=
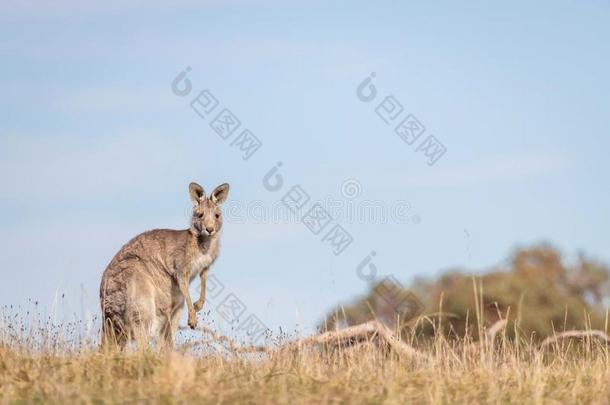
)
(409, 128)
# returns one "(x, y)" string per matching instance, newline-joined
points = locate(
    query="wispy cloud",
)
(27, 9)
(85, 166)
(501, 168)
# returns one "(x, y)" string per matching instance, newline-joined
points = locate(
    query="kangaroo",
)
(145, 286)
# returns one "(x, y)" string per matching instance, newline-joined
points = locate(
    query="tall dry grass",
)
(447, 372)
(47, 363)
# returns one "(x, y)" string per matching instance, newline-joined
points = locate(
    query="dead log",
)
(601, 335)
(370, 332)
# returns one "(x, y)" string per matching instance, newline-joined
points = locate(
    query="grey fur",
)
(145, 286)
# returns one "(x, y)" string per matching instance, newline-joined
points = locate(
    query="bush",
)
(537, 293)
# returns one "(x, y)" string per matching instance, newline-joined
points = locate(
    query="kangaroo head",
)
(207, 218)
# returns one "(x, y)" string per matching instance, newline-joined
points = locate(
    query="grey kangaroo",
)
(145, 286)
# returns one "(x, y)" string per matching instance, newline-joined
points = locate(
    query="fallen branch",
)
(495, 328)
(227, 342)
(576, 334)
(369, 332)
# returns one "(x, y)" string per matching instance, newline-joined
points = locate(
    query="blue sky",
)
(95, 148)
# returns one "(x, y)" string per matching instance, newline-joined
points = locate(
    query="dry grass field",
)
(50, 369)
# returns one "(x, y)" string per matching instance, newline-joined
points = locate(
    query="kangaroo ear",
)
(196, 192)
(220, 193)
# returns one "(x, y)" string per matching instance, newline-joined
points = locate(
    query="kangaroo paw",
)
(198, 306)
(192, 322)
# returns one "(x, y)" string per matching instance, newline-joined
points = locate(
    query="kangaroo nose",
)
(210, 230)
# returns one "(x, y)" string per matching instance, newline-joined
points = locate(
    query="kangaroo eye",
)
(217, 216)
(200, 215)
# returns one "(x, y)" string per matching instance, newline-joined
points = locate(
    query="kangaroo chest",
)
(200, 261)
